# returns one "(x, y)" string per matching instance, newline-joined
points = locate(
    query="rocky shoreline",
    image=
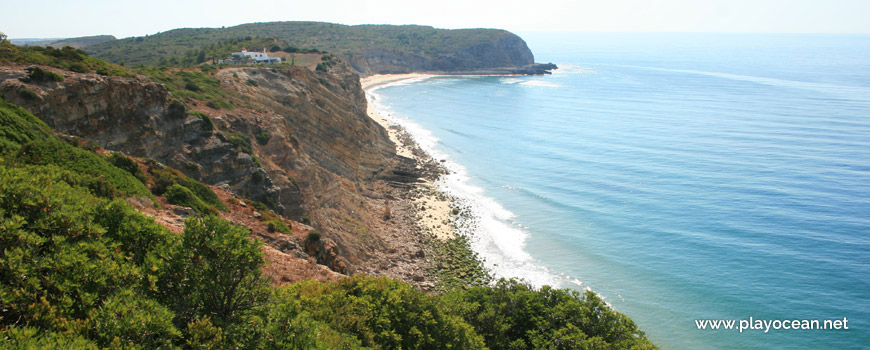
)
(449, 260)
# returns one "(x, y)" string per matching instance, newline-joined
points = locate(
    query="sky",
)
(121, 18)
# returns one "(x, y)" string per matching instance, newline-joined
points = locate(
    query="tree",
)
(215, 272)
(2, 37)
(514, 315)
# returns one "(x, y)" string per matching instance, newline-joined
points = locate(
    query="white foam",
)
(572, 69)
(541, 83)
(511, 80)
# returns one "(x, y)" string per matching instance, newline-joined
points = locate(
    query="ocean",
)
(682, 177)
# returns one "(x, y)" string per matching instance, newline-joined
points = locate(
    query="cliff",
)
(298, 141)
(506, 54)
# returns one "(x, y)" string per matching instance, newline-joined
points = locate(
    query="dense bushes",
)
(513, 315)
(56, 266)
(124, 163)
(382, 313)
(64, 272)
(50, 151)
(18, 127)
(76, 264)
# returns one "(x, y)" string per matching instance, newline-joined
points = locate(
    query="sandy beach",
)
(434, 214)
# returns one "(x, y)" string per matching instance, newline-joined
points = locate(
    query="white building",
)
(256, 57)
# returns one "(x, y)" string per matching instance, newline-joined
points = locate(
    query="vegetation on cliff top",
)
(178, 44)
(80, 268)
(66, 58)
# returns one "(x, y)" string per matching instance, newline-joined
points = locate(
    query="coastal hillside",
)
(368, 49)
(83, 268)
(140, 206)
(296, 141)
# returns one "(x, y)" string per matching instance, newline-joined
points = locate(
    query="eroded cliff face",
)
(508, 54)
(324, 161)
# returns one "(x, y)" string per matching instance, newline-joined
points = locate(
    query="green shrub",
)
(27, 94)
(252, 82)
(278, 226)
(17, 127)
(39, 75)
(53, 151)
(166, 177)
(514, 315)
(129, 320)
(290, 328)
(215, 272)
(129, 165)
(183, 196)
(79, 67)
(137, 234)
(29, 338)
(263, 137)
(192, 86)
(313, 236)
(55, 266)
(208, 124)
(239, 140)
(382, 313)
(203, 335)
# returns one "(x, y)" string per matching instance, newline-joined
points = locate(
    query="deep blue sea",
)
(680, 176)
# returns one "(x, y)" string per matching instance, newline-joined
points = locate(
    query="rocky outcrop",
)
(508, 54)
(135, 116)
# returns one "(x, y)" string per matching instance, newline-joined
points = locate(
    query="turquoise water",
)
(681, 176)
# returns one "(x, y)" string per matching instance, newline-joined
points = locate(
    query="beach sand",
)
(432, 206)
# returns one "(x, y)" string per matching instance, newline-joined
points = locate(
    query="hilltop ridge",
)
(368, 49)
